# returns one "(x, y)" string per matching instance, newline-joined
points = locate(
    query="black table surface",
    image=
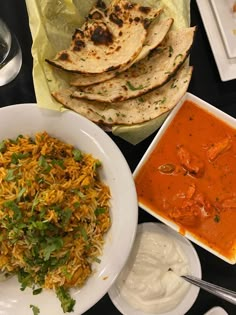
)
(205, 83)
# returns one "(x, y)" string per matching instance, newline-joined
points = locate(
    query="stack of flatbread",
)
(127, 65)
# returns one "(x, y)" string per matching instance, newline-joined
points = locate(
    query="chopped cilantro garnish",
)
(97, 260)
(18, 156)
(77, 155)
(65, 216)
(99, 211)
(96, 165)
(37, 291)
(76, 204)
(42, 162)
(79, 193)
(25, 279)
(83, 233)
(36, 201)
(10, 175)
(67, 303)
(2, 146)
(134, 88)
(59, 163)
(14, 158)
(21, 193)
(50, 245)
(35, 309)
(13, 206)
(67, 274)
(173, 84)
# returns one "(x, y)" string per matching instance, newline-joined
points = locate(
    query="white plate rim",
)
(195, 267)
(226, 24)
(226, 66)
(105, 277)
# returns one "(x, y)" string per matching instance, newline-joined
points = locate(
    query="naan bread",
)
(133, 111)
(156, 33)
(109, 39)
(146, 75)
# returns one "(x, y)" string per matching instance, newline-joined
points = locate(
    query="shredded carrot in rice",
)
(54, 212)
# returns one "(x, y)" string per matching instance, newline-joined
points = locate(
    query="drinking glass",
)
(10, 55)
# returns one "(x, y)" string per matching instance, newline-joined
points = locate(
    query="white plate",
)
(195, 269)
(85, 135)
(226, 19)
(226, 66)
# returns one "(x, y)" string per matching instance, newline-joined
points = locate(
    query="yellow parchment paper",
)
(52, 23)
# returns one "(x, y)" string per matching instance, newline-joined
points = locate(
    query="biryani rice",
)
(54, 212)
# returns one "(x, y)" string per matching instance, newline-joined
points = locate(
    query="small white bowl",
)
(194, 267)
(217, 310)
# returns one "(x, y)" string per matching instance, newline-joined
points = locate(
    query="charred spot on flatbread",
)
(78, 40)
(95, 15)
(145, 10)
(101, 5)
(115, 19)
(102, 36)
(64, 56)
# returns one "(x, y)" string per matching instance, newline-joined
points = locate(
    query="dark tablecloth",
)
(205, 84)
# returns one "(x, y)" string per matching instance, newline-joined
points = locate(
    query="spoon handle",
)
(223, 293)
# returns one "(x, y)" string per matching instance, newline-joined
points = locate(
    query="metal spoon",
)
(223, 293)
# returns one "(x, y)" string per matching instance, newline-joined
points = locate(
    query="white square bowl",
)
(214, 112)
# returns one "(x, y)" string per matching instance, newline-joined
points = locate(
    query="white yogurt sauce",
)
(147, 283)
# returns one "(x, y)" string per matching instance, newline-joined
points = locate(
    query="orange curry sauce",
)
(190, 178)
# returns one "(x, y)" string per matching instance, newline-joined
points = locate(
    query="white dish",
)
(226, 19)
(195, 269)
(226, 66)
(85, 135)
(229, 120)
(217, 310)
